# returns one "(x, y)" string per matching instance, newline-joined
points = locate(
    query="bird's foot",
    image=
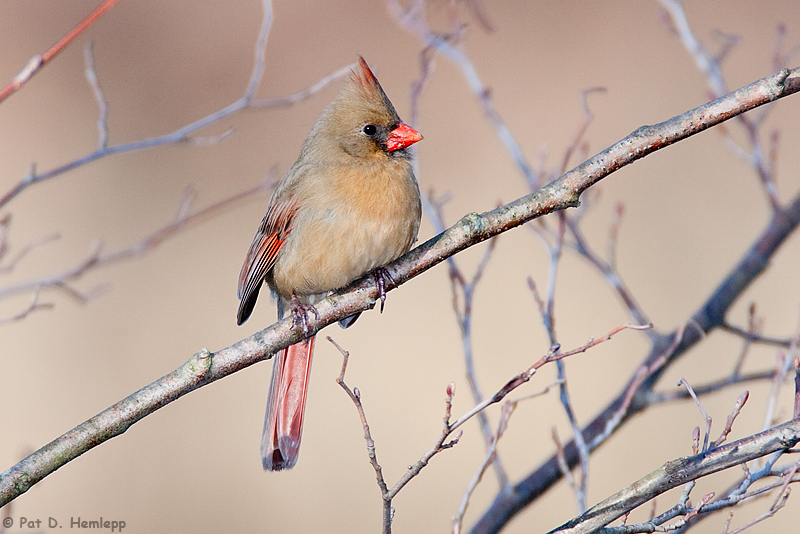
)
(300, 313)
(381, 277)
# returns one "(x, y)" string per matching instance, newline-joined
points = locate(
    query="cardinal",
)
(349, 205)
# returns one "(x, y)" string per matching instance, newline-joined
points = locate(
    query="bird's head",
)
(363, 122)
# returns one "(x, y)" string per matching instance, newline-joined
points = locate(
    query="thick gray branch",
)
(204, 367)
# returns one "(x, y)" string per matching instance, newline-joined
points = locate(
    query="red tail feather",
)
(286, 404)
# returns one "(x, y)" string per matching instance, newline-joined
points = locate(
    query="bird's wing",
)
(269, 239)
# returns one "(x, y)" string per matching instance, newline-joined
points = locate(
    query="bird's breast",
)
(347, 223)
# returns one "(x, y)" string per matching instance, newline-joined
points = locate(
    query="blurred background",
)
(691, 211)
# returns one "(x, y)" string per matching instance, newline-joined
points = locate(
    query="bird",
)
(348, 206)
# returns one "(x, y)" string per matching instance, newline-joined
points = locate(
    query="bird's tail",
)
(286, 404)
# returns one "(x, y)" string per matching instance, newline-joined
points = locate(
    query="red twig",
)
(38, 61)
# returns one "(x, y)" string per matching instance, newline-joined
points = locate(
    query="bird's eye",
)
(370, 130)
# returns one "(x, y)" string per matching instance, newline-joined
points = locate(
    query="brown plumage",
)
(349, 205)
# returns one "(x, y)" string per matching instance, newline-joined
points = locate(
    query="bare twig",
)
(25, 250)
(796, 411)
(784, 362)
(613, 236)
(642, 375)
(510, 386)
(707, 62)
(588, 118)
(753, 328)
(355, 396)
(548, 316)
(505, 414)
(705, 389)
(609, 272)
(102, 103)
(562, 465)
(707, 418)
(303, 94)
(552, 356)
(782, 55)
(692, 515)
(33, 305)
(731, 418)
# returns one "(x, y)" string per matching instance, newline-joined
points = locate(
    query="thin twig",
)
(796, 411)
(102, 103)
(609, 272)
(502, 424)
(707, 418)
(553, 356)
(784, 362)
(549, 323)
(33, 306)
(27, 249)
(355, 396)
(303, 94)
(737, 408)
(562, 464)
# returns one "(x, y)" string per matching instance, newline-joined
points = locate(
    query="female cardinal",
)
(349, 205)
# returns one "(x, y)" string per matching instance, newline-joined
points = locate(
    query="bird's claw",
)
(381, 277)
(300, 313)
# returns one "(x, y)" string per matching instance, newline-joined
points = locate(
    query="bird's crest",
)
(367, 84)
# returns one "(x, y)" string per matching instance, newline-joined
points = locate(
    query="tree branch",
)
(205, 367)
(710, 316)
(678, 472)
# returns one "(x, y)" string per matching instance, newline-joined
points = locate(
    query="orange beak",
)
(401, 137)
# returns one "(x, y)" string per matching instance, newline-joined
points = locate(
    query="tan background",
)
(691, 211)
